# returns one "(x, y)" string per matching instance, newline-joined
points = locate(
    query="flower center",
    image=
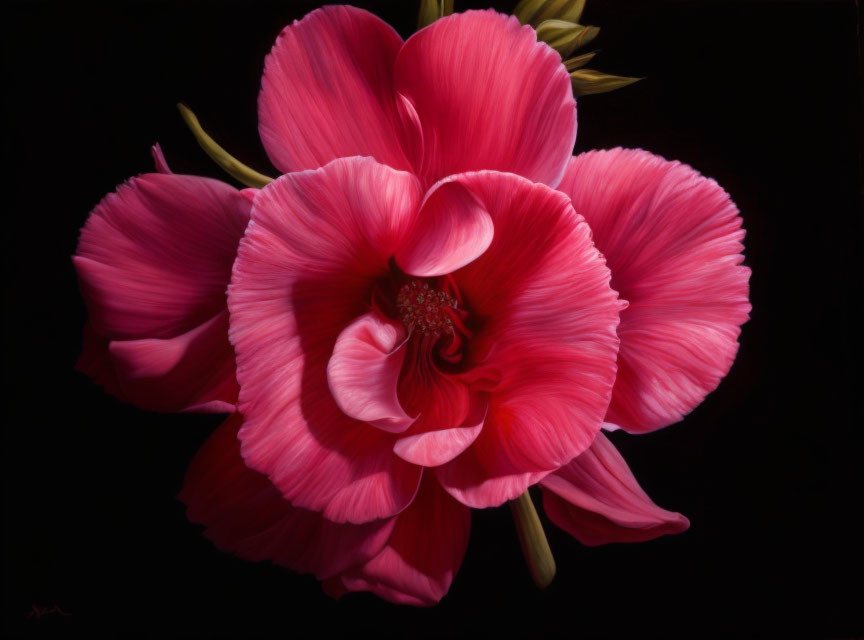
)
(425, 310)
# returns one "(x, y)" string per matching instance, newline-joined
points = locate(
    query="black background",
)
(761, 96)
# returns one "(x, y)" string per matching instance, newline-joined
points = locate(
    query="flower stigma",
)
(425, 310)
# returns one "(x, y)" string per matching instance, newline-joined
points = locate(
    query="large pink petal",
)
(327, 91)
(597, 500)
(154, 258)
(487, 96)
(544, 345)
(672, 239)
(318, 243)
(451, 230)
(245, 514)
(423, 554)
(154, 261)
(363, 372)
(192, 372)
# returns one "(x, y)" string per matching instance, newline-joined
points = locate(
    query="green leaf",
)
(579, 61)
(588, 81)
(570, 10)
(527, 9)
(565, 37)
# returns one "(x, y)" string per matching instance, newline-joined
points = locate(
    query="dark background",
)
(761, 96)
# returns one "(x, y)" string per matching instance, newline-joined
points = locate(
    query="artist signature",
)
(37, 611)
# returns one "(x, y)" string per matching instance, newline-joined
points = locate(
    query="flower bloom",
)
(426, 329)
(390, 361)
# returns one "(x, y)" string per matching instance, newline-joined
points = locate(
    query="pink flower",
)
(697, 288)
(392, 372)
(423, 330)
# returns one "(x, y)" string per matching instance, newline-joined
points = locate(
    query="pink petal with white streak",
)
(672, 239)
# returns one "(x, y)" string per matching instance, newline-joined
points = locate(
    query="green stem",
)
(229, 163)
(532, 538)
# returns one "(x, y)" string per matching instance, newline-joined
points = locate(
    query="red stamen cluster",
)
(425, 309)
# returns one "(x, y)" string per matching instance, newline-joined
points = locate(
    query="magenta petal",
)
(423, 554)
(597, 500)
(159, 160)
(318, 243)
(487, 96)
(545, 344)
(245, 514)
(155, 258)
(364, 370)
(672, 239)
(327, 91)
(192, 372)
(450, 231)
(434, 447)
(154, 261)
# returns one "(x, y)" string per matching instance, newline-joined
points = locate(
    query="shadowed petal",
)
(245, 514)
(432, 447)
(192, 372)
(672, 239)
(597, 500)
(423, 554)
(154, 261)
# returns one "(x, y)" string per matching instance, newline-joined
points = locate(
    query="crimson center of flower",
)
(425, 310)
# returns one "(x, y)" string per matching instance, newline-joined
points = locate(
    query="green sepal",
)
(588, 81)
(534, 12)
(565, 37)
(571, 64)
